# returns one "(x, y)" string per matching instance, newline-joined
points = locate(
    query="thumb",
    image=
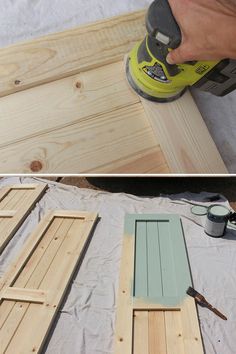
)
(177, 56)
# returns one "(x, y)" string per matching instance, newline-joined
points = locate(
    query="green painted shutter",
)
(154, 313)
(161, 268)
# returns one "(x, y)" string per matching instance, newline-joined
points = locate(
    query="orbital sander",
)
(153, 78)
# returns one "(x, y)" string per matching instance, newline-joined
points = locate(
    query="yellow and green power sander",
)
(153, 78)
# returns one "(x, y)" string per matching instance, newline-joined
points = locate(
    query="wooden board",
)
(184, 137)
(16, 201)
(33, 289)
(73, 111)
(154, 314)
(70, 52)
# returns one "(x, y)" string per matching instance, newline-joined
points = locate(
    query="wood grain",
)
(184, 137)
(157, 336)
(20, 199)
(61, 103)
(62, 54)
(46, 271)
(124, 318)
(113, 142)
(141, 331)
(26, 295)
(66, 95)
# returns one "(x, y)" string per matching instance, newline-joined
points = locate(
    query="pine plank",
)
(192, 335)
(150, 161)
(156, 332)
(141, 304)
(124, 318)
(5, 196)
(62, 54)
(7, 213)
(26, 295)
(174, 333)
(96, 144)
(50, 272)
(63, 103)
(184, 137)
(22, 201)
(141, 343)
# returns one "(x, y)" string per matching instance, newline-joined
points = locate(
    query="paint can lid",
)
(199, 210)
(219, 210)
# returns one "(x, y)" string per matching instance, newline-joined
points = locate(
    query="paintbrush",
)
(200, 299)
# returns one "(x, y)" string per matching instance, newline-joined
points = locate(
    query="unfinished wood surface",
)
(72, 110)
(184, 137)
(15, 203)
(101, 125)
(66, 53)
(40, 278)
(25, 295)
(155, 272)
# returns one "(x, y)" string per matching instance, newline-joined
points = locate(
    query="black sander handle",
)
(162, 25)
(163, 32)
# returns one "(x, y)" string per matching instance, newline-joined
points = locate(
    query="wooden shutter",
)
(154, 315)
(32, 291)
(15, 203)
(86, 118)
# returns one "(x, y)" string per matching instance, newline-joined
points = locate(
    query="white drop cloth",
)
(87, 319)
(26, 19)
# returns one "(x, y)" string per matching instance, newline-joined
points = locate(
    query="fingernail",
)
(169, 60)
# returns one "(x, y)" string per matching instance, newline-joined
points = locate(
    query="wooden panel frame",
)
(128, 306)
(67, 53)
(57, 69)
(39, 301)
(18, 214)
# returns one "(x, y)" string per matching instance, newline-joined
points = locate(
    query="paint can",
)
(216, 220)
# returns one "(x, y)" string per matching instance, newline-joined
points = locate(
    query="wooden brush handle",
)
(218, 313)
(201, 300)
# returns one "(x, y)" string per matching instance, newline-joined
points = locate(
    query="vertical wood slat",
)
(22, 201)
(154, 260)
(167, 263)
(141, 274)
(157, 334)
(124, 323)
(54, 275)
(141, 342)
(174, 335)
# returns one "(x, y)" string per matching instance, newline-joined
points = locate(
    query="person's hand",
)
(208, 30)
